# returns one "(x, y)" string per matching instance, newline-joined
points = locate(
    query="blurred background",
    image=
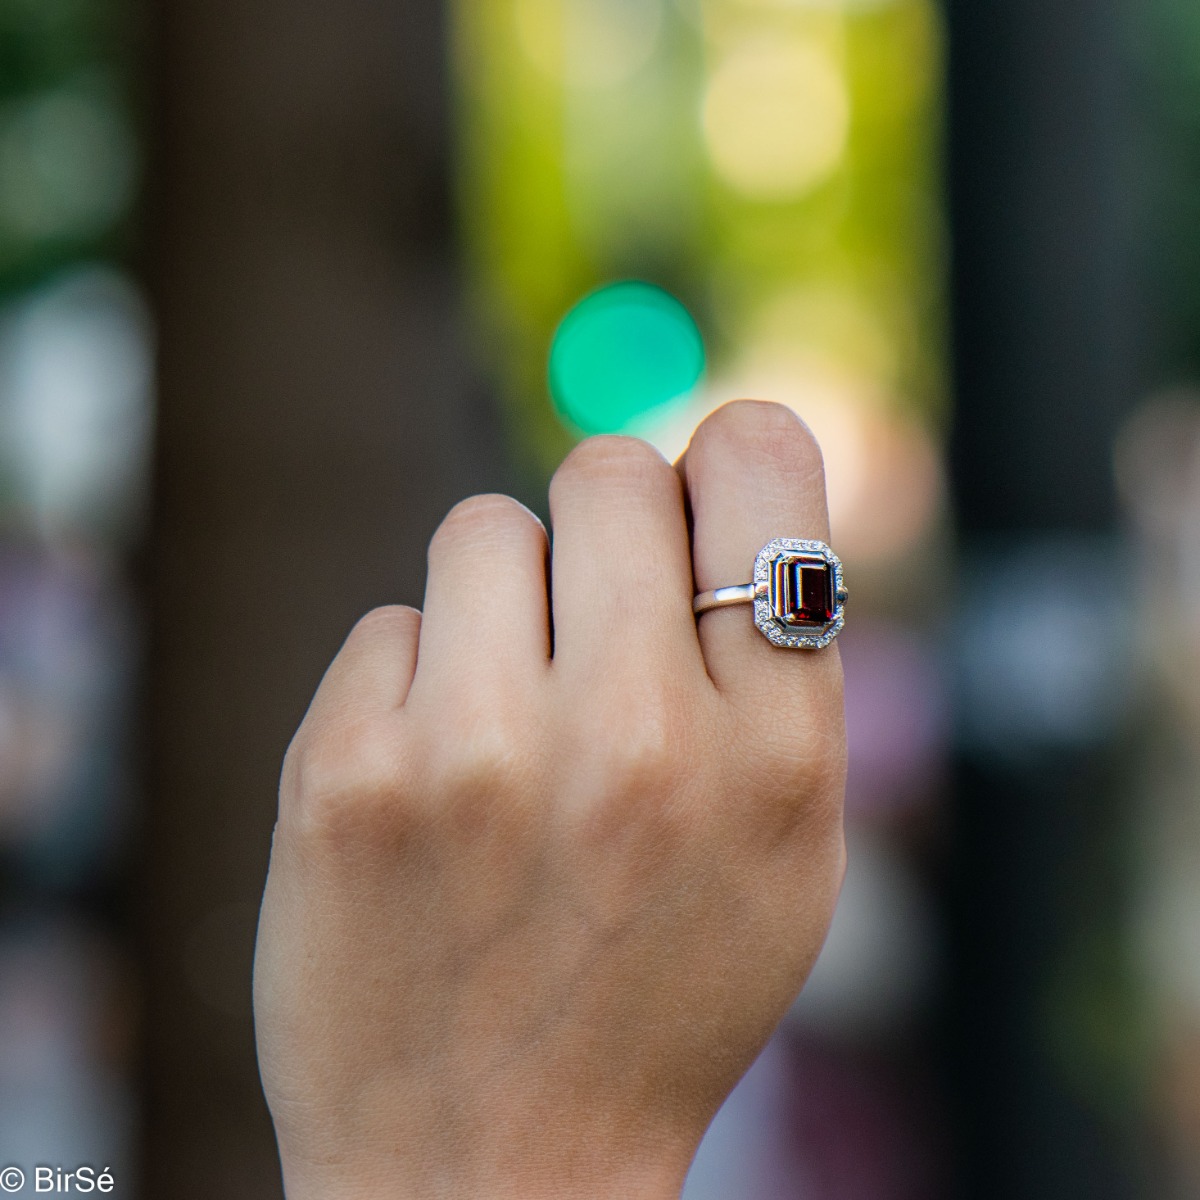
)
(280, 282)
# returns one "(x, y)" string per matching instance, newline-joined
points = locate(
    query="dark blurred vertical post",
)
(1046, 360)
(312, 420)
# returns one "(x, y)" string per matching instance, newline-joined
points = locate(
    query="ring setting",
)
(798, 593)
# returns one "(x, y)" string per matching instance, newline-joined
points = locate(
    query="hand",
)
(537, 901)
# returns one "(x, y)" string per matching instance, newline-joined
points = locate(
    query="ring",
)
(798, 594)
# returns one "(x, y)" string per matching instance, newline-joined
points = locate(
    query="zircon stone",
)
(802, 590)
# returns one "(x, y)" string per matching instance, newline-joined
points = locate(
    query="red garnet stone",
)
(802, 590)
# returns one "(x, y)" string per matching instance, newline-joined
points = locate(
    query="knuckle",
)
(823, 776)
(645, 767)
(647, 755)
(486, 517)
(611, 458)
(807, 785)
(769, 431)
(386, 622)
(489, 755)
(633, 798)
(346, 784)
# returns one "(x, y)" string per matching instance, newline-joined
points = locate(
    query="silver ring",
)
(798, 593)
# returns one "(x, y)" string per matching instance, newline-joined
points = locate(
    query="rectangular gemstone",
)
(802, 591)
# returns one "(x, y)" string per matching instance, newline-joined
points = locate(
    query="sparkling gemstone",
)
(802, 590)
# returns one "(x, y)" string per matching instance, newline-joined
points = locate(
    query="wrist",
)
(503, 1180)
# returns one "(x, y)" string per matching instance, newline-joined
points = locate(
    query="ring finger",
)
(753, 473)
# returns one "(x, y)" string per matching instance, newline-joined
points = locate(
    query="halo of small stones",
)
(780, 634)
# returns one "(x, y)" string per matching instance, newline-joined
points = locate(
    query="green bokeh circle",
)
(622, 352)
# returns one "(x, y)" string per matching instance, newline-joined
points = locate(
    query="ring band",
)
(798, 593)
(726, 597)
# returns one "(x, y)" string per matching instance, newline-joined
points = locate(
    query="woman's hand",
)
(537, 899)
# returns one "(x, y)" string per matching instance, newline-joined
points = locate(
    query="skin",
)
(536, 903)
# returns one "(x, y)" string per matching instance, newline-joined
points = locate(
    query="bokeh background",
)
(280, 282)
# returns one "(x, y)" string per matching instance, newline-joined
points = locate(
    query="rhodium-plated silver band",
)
(726, 597)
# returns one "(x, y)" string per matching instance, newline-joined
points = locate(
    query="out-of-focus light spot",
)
(874, 968)
(1045, 647)
(793, 5)
(886, 476)
(75, 403)
(541, 33)
(1157, 463)
(898, 724)
(776, 116)
(64, 1014)
(671, 429)
(67, 164)
(589, 43)
(64, 658)
(882, 472)
(622, 353)
(820, 321)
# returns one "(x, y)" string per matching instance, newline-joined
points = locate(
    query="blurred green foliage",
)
(1166, 35)
(69, 160)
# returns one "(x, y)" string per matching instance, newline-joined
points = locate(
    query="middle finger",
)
(621, 571)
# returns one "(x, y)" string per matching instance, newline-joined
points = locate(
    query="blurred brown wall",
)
(315, 420)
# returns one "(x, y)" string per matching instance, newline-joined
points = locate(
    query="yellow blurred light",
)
(588, 43)
(776, 117)
(739, 7)
(826, 320)
(540, 32)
